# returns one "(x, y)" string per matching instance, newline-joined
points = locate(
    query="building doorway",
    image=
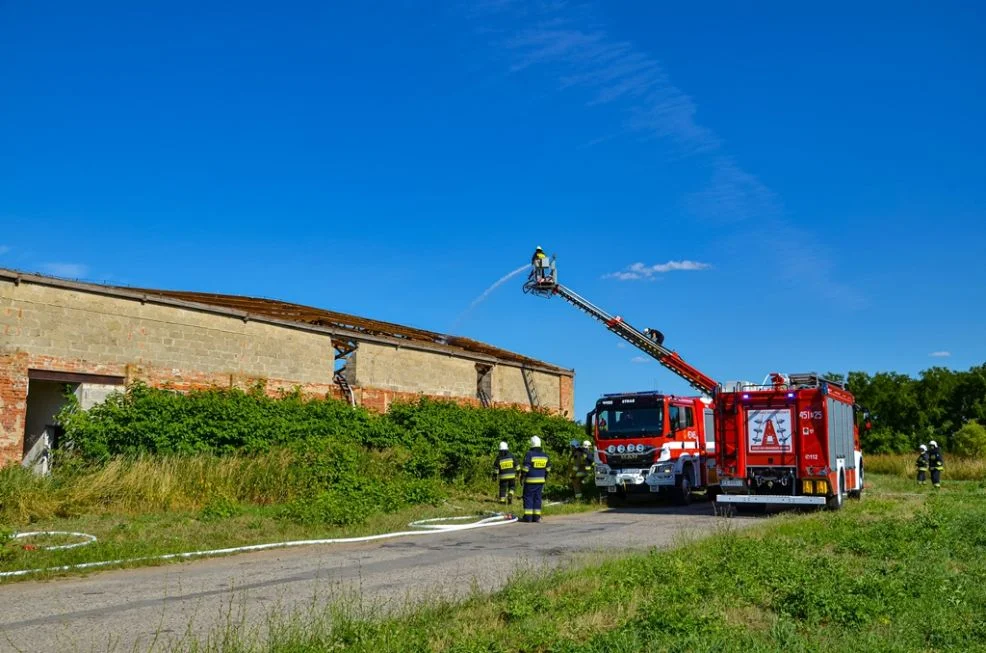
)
(47, 393)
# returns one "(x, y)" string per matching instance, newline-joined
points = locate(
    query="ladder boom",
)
(545, 284)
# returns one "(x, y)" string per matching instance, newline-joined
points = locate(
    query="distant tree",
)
(970, 440)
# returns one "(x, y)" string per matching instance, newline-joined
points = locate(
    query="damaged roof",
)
(344, 322)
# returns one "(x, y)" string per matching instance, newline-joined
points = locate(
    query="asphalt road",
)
(152, 608)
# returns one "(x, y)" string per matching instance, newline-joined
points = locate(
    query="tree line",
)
(944, 405)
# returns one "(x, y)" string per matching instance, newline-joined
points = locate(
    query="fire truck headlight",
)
(790, 395)
(807, 487)
(620, 449)
(640, 448)
(611, 448)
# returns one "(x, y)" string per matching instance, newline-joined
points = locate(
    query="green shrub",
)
(970, 440)
(219, 508)
(437, 438)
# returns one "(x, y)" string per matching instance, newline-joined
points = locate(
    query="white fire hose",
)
(424, 526)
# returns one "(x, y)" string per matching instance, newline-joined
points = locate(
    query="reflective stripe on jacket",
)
(936, 460)
(923, 461)
(536, 466)
(505, 466)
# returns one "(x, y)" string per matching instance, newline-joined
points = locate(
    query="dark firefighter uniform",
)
(539, 260)
(535, 470)
(922, 464)
(581, 469)
(937, 464)
(505, 468)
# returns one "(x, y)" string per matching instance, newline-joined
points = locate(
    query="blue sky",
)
(827, 169)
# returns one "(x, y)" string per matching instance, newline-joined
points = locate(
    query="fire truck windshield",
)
(631, 423)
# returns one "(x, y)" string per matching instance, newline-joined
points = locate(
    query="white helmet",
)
(932, 444)
(503, 446)
(923, 447)
(586, 444)
(535, 441)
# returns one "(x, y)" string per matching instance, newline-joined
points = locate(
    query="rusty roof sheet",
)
(344, 322)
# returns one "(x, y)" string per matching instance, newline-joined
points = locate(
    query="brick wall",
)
(51, 328)
(46, 327)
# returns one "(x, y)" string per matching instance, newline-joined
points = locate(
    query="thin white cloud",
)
(940, 354)
(638, 271)
(567, 42)
(639, 359)
(70, 270)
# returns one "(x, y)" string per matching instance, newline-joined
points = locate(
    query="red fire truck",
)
(651, 442)
(645, 441)
(793, 441)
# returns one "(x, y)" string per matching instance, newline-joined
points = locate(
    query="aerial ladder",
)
(543, 282)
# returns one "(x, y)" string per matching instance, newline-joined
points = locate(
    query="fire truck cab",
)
(652, 442)
(792, 441)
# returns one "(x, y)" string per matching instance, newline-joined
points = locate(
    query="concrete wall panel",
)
(509, 387)
(408, 370)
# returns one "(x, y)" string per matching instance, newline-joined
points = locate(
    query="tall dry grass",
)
(149, 484)
(956, 469)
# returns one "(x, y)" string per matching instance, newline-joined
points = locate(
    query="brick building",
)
(96, 338)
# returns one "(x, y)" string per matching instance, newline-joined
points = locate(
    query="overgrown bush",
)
(437, 438)
(970, 440)
(214, 451)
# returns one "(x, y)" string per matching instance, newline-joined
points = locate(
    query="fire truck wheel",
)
(712, 491)
(683, 487)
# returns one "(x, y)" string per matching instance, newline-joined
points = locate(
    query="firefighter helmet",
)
(586, 444)
(923, 447)
(503, 446)
(933, 444)
(573, 443)
(535, 441)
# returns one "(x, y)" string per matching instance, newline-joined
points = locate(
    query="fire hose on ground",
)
(432, 526)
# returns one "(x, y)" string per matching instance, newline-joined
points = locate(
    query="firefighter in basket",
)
(541, 268)
(505, 470)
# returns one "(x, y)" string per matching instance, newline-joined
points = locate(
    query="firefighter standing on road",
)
(581, 466)
(535, 474)
(936, 462)
(922, 465)
(505, 471)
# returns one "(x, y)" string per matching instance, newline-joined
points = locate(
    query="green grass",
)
(903, 570)
(903, 465)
